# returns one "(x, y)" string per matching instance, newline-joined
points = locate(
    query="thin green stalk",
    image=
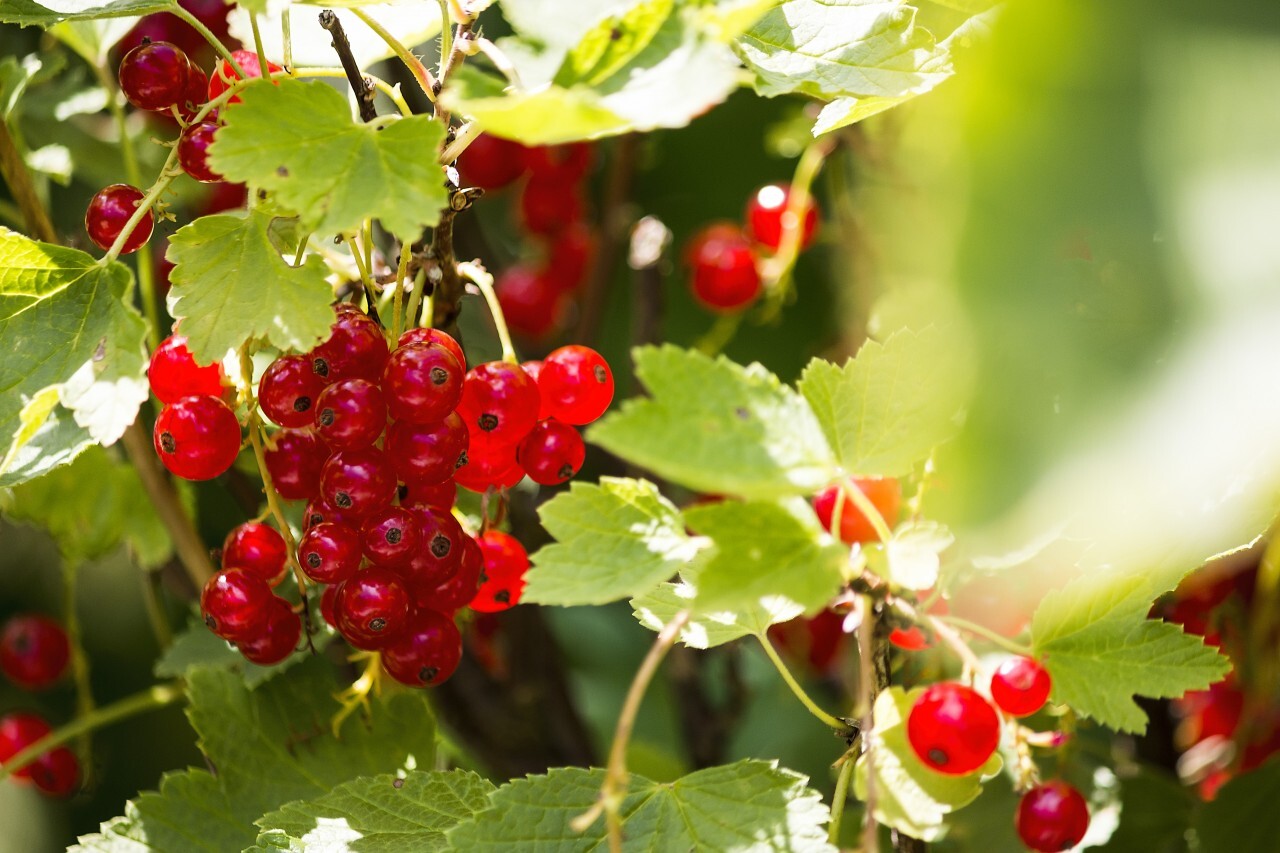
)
(213, 40)
(481, 278)
(721, 332)
(397, 313)
(839, 798)
(446, 36)
(987, 634)
(257, 43)
(420, 72)
(286, 37)
(79, 660)
(776, 271)
(813, 708)
(415, 299)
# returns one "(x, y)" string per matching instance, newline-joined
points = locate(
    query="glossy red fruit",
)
(197, 438)
(427, 454)
(910, 639)
(459, 590)
(330, 552)
(278, 638)
(33, 651)
(440, 554)
(350, 414)
(534, 370)
(193, 152)
(427, 653)
(438, 496)
(505, 565)
(434, 336)
(256, 548)
(358, 481)
(768, 214)
(295, 458)
(17, 732)
(328, 606)
(497, 594)
(723, 268)
(173, 372)
(549, 206)
(288, 390)
(56, 773)
(154, 76)
(885, 494)
(390, 537)
(1020, 686)
(234, 604)
(489, 467)
(567, 163)
(952, 729)
(224, 75)
(491, 162)
(355, 349)
(570, 255)
(318, 512)
(576, 383)
(422, 383)
(372, 608)
(1052, 817)
(533, 305)
(499, 404)
(194, 95)
(109, 212)
(551, 453)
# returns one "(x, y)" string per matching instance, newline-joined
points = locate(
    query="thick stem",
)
(839, 798)
(362, 86)
(868, 689)
(813, 708)
(420, 72)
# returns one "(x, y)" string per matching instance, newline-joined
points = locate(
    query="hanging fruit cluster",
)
(34, 653)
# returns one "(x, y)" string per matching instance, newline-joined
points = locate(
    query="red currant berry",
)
(17, 732)
(288, 390)
(768, 215)
(911, 639)
(279, 635)
(551, 453)
(724, 271)
(109, 212)
(372, 608)
(549, 206)
(570, 255)
(319, 512)
(350, 414)
(434, 336)
(197, 438)
(576, 383)
(195, 94)
(1052, 817)
(33, 651)
(952, 729)
(532, 303)
(497, 594)
(423, 383)
(56, 773)
(440, 553)
(499, 404)
(427, 652)
(566, 163)
(439, 496)
(256, 548)
(534, 369)
(505, 564)
(173, 372)
(455, 593)
(489, 467)
(358, 481)
(224, 75)
(295, 458)
(234, 604)
(193, 152)
(1020, 686)
(355, 349)
(391, 537)
(154, 76)
(491, 162)
(330, 552)
(328, 606)
(885, 494)
(427, 454)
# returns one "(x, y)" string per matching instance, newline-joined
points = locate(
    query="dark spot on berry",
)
(402, 491)
(211, 623)
(743, 414)
(377, 623)
(302, 404)
(320, 367)
(462, 460)
(937, 756)
(602, 376)
(565, 472)
(484, 578)
(394, 535)
(488, 422)
(314, 519)
(313, 560)
(342, 500)
(503, 597)
(397, 783)
(326, 417)
(167, 444)
(428, 674)
(440, 545)
(439, 375)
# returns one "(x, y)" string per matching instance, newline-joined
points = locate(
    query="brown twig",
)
(24, 192)
(361, 85)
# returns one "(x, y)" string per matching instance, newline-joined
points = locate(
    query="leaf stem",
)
(446, 38)
(721, 332)
(839, 798)
(827, 719)
(257, 44)
(944, 631)
(420, 72)
(397, 311)
(198, 26)
(479, 276)
(986, 633)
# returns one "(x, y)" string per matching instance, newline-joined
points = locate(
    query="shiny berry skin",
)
(195, 94)
(440, 554)
(952, 729)
(56, 773)
(532, 303)
(422, 383)
(295, 461)
(319, 512)
(491, 162)
(234, 604)
(723, 267)
(288, 390)
(278, 638)
(224, 75)
(328, 603)
(197, 438)
(355, 349)
(505, 564)
(767, 213)
(256, 548)
(109, 212)
(427, 454)
(568, 163)
(576, 383)
(1052, 817)
(358, 481)
(489, 467)
(434, 336)
(551, 453)
(549, 206)
(885, 494)
(330, 552)
(390, 537)
(1020, 686)
(17, 732)
(911, 639)
(33, 651)
(499, 404)
(372, 608)
(458, 591)
(173, 373)
(193, 152)
(534, 369)
(350, 414)
(439, 496)
(497, 594)
(427, 653)
(154, 76)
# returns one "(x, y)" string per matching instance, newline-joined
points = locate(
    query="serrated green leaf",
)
(1242, 817)
(612, 43)
(230, 284)
(92, 39)
(197, 646)
(27, 12)
(299, 141)
(613, 540)
(14, 77)
(1101, 650)
(380, 813)
(911, 558)
(727, 19)
(67, 324)
(556, 25)
(884, 410)
(713, 426)
(546, 116)
(47, 438)
(191, 812)
(911, 797)
(656, 608)
(750, 805)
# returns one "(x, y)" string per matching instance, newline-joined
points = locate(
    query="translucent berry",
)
(328, 606)
(355, 349)
(499, 404)
(723, 268)
(505, 564)
(109, 212)
(534, 370)
(438, 496)
(458, 591)
(438, 557)
(193, 152)
(173, 372)
(330, 552)
(434, 336)
(390, 537)
(576, 384)
(422, 382)
(768, 214)
(319, 512)
(224, 75)
(1052, 817)
(911, 639)
(532, 302)
(952, 729)
(256, 548)
(551, 453)
(56, 773)
(154, 76)
(33, 651)
(427, 454)
(566, 163)
(885, 494)
(234, 604)
(549, 206)
(489, 467)
(1020, 686)
(372, 608)
(350, 414)
(427, 652)
(197, 438)
(17, 732)
(491, 162)
(358, 481)
(280, 632)
(288, 390)
(195, 94)
(294, 461)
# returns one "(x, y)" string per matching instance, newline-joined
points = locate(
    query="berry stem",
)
(286, 39)
(257, 44)
(481, 278)
(986, 633)
(776, 270)
(718, 336)
(839, 798)
(198, 26)
(397, 312)
(420, 72)
(446, 39)
(942, 629)
(827, 719)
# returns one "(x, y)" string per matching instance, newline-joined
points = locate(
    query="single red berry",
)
(193, 152)
(1052, 817)
(497, 594)
(570, 255)
(434, 336)
(355, 349)
(423, 383)
(768, 214)
(56, 773)
(504, 556)
(17, 732)
(459, 590)
(533, 305)
(885, 494)
(952, 729)
(576, 384)
(440, 554)
(288, 390)
(319, 512)
(551, 453)
(358, 481)
(328, 606)
(549, 206)
(195, 94)
(499, 404)
(723, 266)
(33, 651)
(109, 212)
(197, 438)
(489, 467)
(224, 75)
(911, 639)
(534, 370)
(350, 414)
(427, 652)
(372, 608)
(256, 548)
(438, 496)
(330, 552)
(234, 604)
(173, 372)
(427, 454)
(154, 76)
(391, 537)
(491, 162)
(566, 163)
(1020, 686)
(277, 638)
(295, 458)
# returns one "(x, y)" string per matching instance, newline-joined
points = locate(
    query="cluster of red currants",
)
(34, 652)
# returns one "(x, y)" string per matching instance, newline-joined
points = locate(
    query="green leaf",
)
(910, 796)
(911, 557)
(612, 43)
(1242, 818)
(92, 39)
(48, 437)
(197, 646)
(764, 551)
(27, 12)
(557, 25)
(299, 141)
(887, 408)
(14, 78)
(230, 284)
(1098, 645)
(614, 540)
(658, 607)
(713, 426)
(546, 116)
(191, 812)
(750, 805)
(728, 19)
(380, 813)
(67, 324)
